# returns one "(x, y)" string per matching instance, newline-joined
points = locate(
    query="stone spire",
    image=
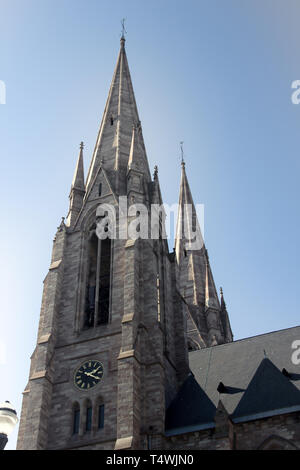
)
(77, 189)
(190, 267)
(189, 245)
(193, 272)
(115, 134)
(188, 233)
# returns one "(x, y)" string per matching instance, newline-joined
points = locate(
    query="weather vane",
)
(123, 28)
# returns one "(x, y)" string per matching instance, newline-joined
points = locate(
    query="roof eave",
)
(186, 429)
(265, 414)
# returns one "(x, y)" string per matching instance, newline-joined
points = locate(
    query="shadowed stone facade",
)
(131, 305)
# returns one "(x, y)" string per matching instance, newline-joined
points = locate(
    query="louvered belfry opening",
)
(91, 281)
(98, 282)
(104, 282)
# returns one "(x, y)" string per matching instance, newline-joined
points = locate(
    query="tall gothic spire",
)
(194, 275)
(115, 134)
(187, 223)
(191, 262)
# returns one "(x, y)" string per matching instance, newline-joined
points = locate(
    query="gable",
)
(268, 391)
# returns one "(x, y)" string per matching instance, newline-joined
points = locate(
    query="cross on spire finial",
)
(81, 145)
(123, 28)
(182, 158)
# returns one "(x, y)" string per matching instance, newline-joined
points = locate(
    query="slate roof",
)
(269, 391)
(251, 371)
(185, 410)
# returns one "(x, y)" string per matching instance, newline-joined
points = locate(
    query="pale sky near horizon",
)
(214, 74)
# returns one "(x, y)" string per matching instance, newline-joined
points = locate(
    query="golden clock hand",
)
(94, 377)
(90, 374)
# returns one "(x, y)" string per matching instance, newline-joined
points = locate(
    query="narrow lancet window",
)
(89, 414)
(76, 418)
(101, 417)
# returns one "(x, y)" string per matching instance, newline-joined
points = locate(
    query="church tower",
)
(119, 313)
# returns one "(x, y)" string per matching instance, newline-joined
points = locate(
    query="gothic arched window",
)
(88, 416)
(274, 442)
(98, 281)
(104, 282)
(100, 416)
(91, 281)
(76, 418)
(99, 413)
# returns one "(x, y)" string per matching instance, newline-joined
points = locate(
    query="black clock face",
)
(88, 375)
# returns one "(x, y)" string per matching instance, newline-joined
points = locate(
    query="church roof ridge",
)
(248, 338)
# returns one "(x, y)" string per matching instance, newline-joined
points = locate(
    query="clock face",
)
(88, 375)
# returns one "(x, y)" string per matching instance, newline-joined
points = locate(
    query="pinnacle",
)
(78, 178)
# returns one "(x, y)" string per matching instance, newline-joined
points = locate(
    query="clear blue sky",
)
(215, 74)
